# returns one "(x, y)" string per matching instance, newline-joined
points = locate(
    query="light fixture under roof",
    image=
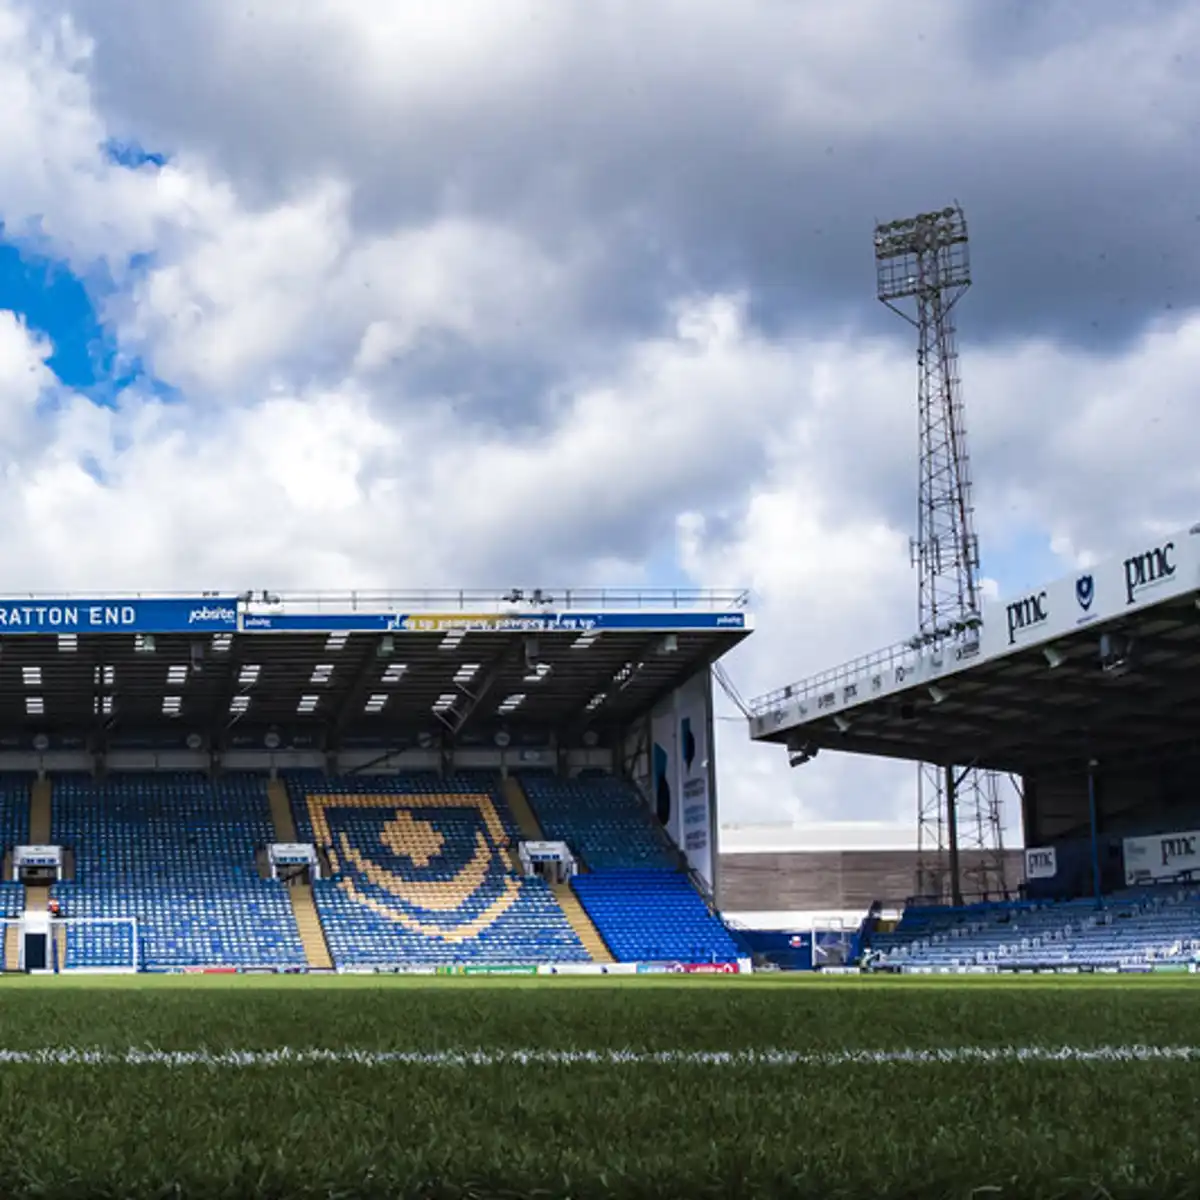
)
(394, 672)
(336, 641)
(509, 703)
(68, 643)
(308, 704)
(452, 640)
(143, 643)
(35, 706)
(585, 640)
(537, 673)
(177, 675)
(624, 677)
(105, 675)
(102, 706)
(597, 700)
(376, 703)
(31, 676)
(172, 706)
(239, 704)
(444, 702)
(221, 642)
(248, 675)
(322, 673)
(466, 672)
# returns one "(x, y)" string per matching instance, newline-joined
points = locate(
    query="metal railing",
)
(493, 599)
(899, 654)
(436, 599)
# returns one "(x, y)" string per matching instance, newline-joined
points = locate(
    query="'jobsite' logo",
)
(212, 615)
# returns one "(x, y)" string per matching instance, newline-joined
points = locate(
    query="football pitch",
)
(654, 1086)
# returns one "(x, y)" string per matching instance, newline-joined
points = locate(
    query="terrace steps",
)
(312, 935)
(39, 812)
(304, 908)
(577, 918)
(583, 925)
(281, 811)
(518, 805)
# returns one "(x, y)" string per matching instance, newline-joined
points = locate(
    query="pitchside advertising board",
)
(681, 776)
(1162, 857)
(1147, 573)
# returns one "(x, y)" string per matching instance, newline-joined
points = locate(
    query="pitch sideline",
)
(460, 1059)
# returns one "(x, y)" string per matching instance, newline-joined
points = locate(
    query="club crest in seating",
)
(433, 864)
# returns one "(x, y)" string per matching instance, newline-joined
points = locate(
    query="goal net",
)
(99, 945)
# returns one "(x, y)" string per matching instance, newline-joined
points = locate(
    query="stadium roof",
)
(1103, 664)
(328, 670)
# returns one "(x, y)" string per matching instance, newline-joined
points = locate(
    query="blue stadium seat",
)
(422, 873)
(177, 851)
(653, 916)
(14, 831)
(1136, 927)
(603, 819)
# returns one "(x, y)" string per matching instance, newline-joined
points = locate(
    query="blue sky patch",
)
(128, 153)
(57, 304)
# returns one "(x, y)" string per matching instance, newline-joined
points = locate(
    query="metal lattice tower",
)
(923, 261)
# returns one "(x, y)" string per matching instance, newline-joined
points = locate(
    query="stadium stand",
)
(642, 904)
(576, 914)
(421, 873)
(602, 819)
(14, 831)
(1131, 928)
(653, 916)
(176, 851)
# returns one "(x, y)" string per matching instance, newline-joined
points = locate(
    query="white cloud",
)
(360, 201)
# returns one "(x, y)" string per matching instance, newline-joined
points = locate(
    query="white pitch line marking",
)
(458, 1059)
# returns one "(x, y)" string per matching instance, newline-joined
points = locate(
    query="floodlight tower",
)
(922, 270)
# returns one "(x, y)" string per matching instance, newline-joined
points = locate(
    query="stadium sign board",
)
(1041, 862)
(1147, 573)
(671, 621)
(229, 614)
(1162, 856)
(201, 614)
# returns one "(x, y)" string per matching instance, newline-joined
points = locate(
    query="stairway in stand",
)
(281, 811)
(531, 830)
(304, 909)
(576, 914)
(37, 896)
(12, 931)
(39, 813)
(518, 805)
(312, 936)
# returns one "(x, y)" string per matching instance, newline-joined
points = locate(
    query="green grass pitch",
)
(847, 1114)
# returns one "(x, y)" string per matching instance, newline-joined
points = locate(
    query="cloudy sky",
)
(491, 294)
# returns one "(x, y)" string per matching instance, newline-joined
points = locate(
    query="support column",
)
(956, 896)
(1094, 823)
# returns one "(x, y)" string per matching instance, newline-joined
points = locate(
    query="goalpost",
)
(77, 945)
